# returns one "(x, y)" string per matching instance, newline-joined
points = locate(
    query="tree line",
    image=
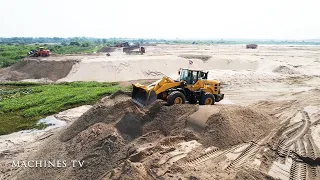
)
(78, 41)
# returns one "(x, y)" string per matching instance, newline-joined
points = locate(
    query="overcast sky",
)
(184, 19)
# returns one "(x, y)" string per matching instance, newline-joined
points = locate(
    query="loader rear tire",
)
(207, 99)
(176, 97)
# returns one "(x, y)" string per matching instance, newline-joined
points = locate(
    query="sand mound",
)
(224, 125)
(128, 170)
(204, 58)
(251, 174)
(107, 49)
(285, 70)
(170, 120)
(233, 125)
(35, 69)
(130, 126)
(118, 140)
(109, 110)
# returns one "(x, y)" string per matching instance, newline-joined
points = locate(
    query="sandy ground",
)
(281, 81)
(226, 63)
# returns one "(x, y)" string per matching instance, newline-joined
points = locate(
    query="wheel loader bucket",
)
(142, 96)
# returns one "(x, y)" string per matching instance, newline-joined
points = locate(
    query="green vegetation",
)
(10, 54)
(57, 40)
(23, 104)
(74, 48)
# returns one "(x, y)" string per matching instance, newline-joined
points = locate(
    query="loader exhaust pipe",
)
(142, 96)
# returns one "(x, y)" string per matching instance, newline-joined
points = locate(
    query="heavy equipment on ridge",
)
(131, 48)
(193, 86)
(40, 52)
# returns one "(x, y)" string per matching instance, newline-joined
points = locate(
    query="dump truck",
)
(134, 49)
(122, 44)
(192, 86)
(131, 48)
(251, 46)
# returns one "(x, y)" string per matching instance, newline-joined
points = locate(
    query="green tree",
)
(75, 43)
(86, 44)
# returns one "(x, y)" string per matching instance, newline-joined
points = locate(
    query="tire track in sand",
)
(288, 132)
(171, 141)
(294, 134)
(298, 170)
(250, 151)
(211, 154)
(292, 128)
(311, 152)
(306, 148)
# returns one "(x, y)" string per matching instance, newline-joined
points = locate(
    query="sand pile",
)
(169, 120)
(35, 69)
(99, 138)
(251, 174)
(127, 170)
(233, 125)
(204, 58)
(108, 110)
(107, 49)
(285, 70)
(118, 140)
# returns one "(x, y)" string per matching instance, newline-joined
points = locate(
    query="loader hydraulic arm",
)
(164, 84)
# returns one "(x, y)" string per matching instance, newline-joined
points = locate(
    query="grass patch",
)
(22, 106)
(10, 54)
(195, 56)
(73, 49)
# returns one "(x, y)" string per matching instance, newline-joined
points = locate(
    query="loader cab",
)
(192, 76)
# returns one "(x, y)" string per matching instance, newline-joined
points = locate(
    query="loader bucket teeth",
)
(143, 97)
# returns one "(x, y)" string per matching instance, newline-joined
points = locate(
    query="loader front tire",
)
(207, 99)
(176, 97)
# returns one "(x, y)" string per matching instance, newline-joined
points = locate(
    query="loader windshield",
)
(184, 75)
(192, 76)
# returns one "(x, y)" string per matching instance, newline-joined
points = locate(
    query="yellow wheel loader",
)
(192, 86)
